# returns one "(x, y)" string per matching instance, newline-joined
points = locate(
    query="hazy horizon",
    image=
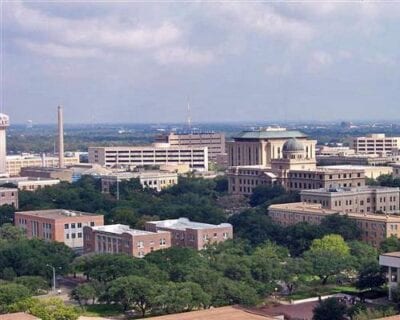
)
(119, 62)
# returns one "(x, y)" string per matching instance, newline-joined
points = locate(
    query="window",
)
(79, 225)
(92, 224)
(73, 235)
(79, 234)
(162, 242)
(67, 235)
(66, 226)
(140, 244)
(72, 225)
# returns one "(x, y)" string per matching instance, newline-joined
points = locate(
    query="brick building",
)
(185, 233)
(57, 225)
(374, 227)
(9, 196)
(119, 238)
(369, 199)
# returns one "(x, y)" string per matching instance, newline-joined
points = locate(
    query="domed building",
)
(293, 149)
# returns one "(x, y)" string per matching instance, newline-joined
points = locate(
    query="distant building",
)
(357, 159)
(14, 164)
(185, 233)
(60, 225)
(4, 124)
(62, 174)
(9, 196)
(29, 184)
(215, 142)
(371, 172)
(366, 199)
(156, 180)
(118, 238)
(150, 155)
(374, 227)
(251, 148)
(375, 144)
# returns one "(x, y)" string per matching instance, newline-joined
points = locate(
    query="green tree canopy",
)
(330, 309)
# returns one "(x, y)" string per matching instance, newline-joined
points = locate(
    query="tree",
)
(371, 276)
(46, 309)
(11, 293)
(362, 253)
(330, 309)
(134, 292)
(328, 257)
(390, 244)
(83, 293)
(11, 233)
(298, 237)
(263, 193)
(6, 214)
(341, 225)
(35, 284)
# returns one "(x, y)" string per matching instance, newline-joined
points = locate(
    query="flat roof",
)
(395, 254)
(350, 166)
(8, 189)
(185, 223)
(56, 213)
(47, 169)
(316, 208)
(120, 229)
(18, 316)
(270, 134)
(223, 313)
(344, 190)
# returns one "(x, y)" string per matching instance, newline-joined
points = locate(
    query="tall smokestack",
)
(60, 137)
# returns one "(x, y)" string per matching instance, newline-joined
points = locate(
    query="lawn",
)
(102, 310)
(319, 290)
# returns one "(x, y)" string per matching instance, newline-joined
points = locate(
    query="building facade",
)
(375, 144)
(391, 261)
(156, 154)
(9, 196)
(214, 141)
(251, 148)
(29, 184)
(375, 228)
(119, 238)
(371, 172)
(363, 199)
(59, 225)
(156, 180)
(185, 233)
(14, 164)
(396, 170)
(62, 174)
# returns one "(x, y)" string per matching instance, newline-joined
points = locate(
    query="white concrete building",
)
(376, 143)
(391, 260)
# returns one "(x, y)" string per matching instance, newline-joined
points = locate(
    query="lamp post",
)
(54, 275)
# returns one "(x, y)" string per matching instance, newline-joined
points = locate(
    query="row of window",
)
(77, 225)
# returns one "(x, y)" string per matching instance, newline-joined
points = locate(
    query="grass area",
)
(314, 291)
(102, 310)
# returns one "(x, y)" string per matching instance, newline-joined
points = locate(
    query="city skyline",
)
(141, 62)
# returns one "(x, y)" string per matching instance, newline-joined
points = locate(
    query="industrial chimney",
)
(60, 137)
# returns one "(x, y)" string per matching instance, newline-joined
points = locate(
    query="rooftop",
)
(120, 229)
(8, 189)
(349, 166)
(223, 313)
(395, 254)
(56, 213)
(301, 207)
(184, 223)
(270, 134)
(17, 316)
(351, 189)
(46, 169)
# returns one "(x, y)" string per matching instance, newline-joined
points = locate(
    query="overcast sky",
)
(234, 61)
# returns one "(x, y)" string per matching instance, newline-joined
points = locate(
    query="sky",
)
(144, 61)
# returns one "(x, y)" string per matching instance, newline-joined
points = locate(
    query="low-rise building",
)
(391, 261)
(196, 235)
(357, 159)
(60, 225)
(118, 238)
(28, 183)
(62, 174)
(9, 196)
(370, 199)
(156, 180)
(396, 170)
(371, 172)
(14, 163)
(374, 227)
(150, 155)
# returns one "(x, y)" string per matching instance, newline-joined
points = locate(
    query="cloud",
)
(319, 60)
(58, 51)
(265, 20)
(187, 56)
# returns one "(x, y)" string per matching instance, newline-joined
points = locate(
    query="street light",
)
(54, 275)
